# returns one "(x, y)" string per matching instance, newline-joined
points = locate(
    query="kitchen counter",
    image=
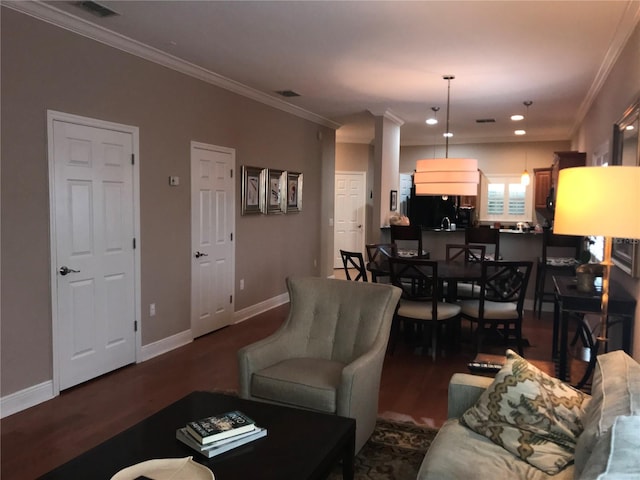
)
(514, 245)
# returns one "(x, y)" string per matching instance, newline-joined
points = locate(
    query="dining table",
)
(451, 272)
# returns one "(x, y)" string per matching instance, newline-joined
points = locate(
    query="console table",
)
(569, 300)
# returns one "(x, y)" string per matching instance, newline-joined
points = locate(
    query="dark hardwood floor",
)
(38, 439)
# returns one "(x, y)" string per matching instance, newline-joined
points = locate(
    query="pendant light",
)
(433, 120)
(447, 176)
(525, 178)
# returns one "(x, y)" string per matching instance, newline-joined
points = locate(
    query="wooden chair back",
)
(354, 260)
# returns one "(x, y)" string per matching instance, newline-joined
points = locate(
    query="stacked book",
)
(217, 434)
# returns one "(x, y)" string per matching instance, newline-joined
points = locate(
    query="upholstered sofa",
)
(607, 429)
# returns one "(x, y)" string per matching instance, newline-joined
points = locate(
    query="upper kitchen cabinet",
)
(566, 160)
(542, 185)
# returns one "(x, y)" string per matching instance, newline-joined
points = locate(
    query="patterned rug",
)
(394, 452)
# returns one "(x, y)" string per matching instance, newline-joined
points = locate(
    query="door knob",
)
(64, 270)
(200, 254)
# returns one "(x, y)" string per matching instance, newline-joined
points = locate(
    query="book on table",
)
(220, 446)
(219, 427)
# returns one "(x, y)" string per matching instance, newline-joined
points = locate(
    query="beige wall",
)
(621, 89)
(44, 67)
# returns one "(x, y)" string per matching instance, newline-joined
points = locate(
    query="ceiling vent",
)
(287, 93)
(486, 120)
(96, 9)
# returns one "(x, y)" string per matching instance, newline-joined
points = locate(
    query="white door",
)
(212, 227)
(349, 214)
(93, 257)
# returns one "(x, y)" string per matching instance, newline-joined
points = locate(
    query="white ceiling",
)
(350, 58)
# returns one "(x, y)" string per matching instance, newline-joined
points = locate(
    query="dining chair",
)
(464, 253)
(570, 246)
(378, 259)
(499, 308)
(420, 307)
(407, 235)
(484, 236)
(354, 260)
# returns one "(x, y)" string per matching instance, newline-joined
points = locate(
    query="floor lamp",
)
(599, 201)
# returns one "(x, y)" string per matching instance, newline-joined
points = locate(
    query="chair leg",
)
(543, 275)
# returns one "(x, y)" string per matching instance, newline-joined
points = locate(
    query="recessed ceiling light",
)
(517, 118)
(520, 132)
(447, 134)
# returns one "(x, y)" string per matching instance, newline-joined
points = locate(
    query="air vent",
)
(97, 9)
(287, 93)
(486, 120)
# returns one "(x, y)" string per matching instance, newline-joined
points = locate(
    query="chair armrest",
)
(261, 354)
(464, 391)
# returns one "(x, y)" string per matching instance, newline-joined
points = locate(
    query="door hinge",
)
(231, 173)
(231, 236)
(133, 159)
(134, 243)
(230, 298)
(135, 326)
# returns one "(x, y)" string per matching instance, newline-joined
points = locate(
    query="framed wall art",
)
(393, 202)
(294, 192)
(275, 188)
(252, 189)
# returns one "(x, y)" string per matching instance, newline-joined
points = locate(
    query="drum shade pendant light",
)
(525, 178)
(447, 176)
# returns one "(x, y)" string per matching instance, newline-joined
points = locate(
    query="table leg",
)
(556, 321)
(564, 334)
(348, 456)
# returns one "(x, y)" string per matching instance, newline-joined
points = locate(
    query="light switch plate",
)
(174, 181)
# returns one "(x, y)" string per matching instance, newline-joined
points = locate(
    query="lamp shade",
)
(447, 176)
(600, 201)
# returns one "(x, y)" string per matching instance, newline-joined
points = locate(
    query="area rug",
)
(394, 452)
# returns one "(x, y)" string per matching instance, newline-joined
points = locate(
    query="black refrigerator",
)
(429, 210)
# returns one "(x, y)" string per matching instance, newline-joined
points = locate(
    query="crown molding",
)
(628, 22)
(389, 115)
(50, 14)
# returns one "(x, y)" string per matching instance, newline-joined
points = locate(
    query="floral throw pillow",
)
(532, 415)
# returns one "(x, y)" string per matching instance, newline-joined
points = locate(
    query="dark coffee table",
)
(299, 445)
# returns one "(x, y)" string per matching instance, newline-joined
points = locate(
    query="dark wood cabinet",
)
(542, 185)
(566, 160)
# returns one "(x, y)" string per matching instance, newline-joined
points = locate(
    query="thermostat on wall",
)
(174, 181)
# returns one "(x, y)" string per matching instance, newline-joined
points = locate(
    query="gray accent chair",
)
(328, 355)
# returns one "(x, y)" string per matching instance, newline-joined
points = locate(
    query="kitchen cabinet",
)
(542, 185)
(565, 160)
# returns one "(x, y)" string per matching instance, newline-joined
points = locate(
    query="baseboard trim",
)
(23, 399)
(258, 308)
(36, 394)
(151, 350)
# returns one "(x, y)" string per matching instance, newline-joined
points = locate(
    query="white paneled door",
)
(349, 214)
(212, 227)
(93, 256)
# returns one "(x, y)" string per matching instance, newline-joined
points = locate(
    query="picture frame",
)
(252, 189)
(294, 192)
(393, 202)
(274, 192)
(625, 252)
